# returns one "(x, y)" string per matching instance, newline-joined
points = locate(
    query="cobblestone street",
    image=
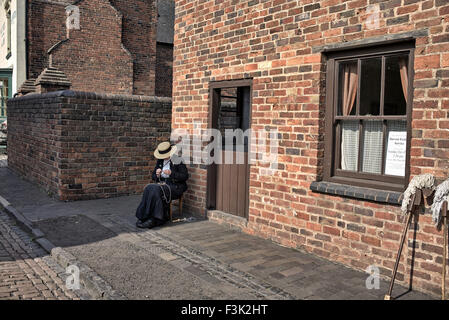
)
(26, 270)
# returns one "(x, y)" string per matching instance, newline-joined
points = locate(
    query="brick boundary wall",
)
(80, 146)
(279, 44)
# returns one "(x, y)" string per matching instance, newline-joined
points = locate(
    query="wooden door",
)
(228, 182)
(232, 185)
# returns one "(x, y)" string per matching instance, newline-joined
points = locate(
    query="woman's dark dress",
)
(152, 204)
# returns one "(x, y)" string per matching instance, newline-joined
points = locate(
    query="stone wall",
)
(79, 145)
(280, 44)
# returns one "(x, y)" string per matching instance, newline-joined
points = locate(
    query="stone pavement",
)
(191, 260)
(3, 161)
(26, 270)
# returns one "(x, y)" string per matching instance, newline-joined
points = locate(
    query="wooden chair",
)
(171, 209)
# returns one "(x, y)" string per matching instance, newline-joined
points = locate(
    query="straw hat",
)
(165, 150)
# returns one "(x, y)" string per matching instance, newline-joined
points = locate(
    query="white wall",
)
(17, 61)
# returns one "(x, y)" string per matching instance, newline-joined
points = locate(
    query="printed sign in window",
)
(396, 153)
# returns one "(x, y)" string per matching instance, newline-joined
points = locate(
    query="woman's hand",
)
(167, 172)
(158, 172)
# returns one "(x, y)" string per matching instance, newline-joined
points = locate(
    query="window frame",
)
(331, 172)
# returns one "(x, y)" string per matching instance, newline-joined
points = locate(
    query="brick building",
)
(97, 139)
(100, 45)
(358, 92)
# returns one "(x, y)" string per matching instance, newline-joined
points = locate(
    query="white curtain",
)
(349, 128)
(349, 145)
(372, 146)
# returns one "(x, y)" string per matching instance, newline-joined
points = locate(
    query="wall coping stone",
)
(91, 95)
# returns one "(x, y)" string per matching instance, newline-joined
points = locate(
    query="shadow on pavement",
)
(73, 231)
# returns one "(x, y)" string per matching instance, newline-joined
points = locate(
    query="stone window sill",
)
(388, 197)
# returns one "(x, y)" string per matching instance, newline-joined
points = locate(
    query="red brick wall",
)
(139, 37)
(94, 58)
(82, 146)
(272, 42)
(46, 26)
(114, 52)
(164, 70)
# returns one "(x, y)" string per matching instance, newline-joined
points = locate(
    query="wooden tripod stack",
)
(417, 199)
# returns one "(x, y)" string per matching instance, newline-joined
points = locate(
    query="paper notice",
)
(396, 153)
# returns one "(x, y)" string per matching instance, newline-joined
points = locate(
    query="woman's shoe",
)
(146, 225)
(150, 223)
(159, 222)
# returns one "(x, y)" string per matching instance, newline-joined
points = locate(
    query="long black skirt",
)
(153, 204)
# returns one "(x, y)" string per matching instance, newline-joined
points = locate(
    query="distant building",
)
(116, 56)
(100, 45)
(12, 49)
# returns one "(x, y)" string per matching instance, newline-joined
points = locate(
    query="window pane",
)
(3, 97)
(233, 119)
(349, 145)
(396, 148)
(347, 88)
(370, 86)
(396, 85)
(372, 146)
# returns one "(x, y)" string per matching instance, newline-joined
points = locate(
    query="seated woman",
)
(170, 184)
